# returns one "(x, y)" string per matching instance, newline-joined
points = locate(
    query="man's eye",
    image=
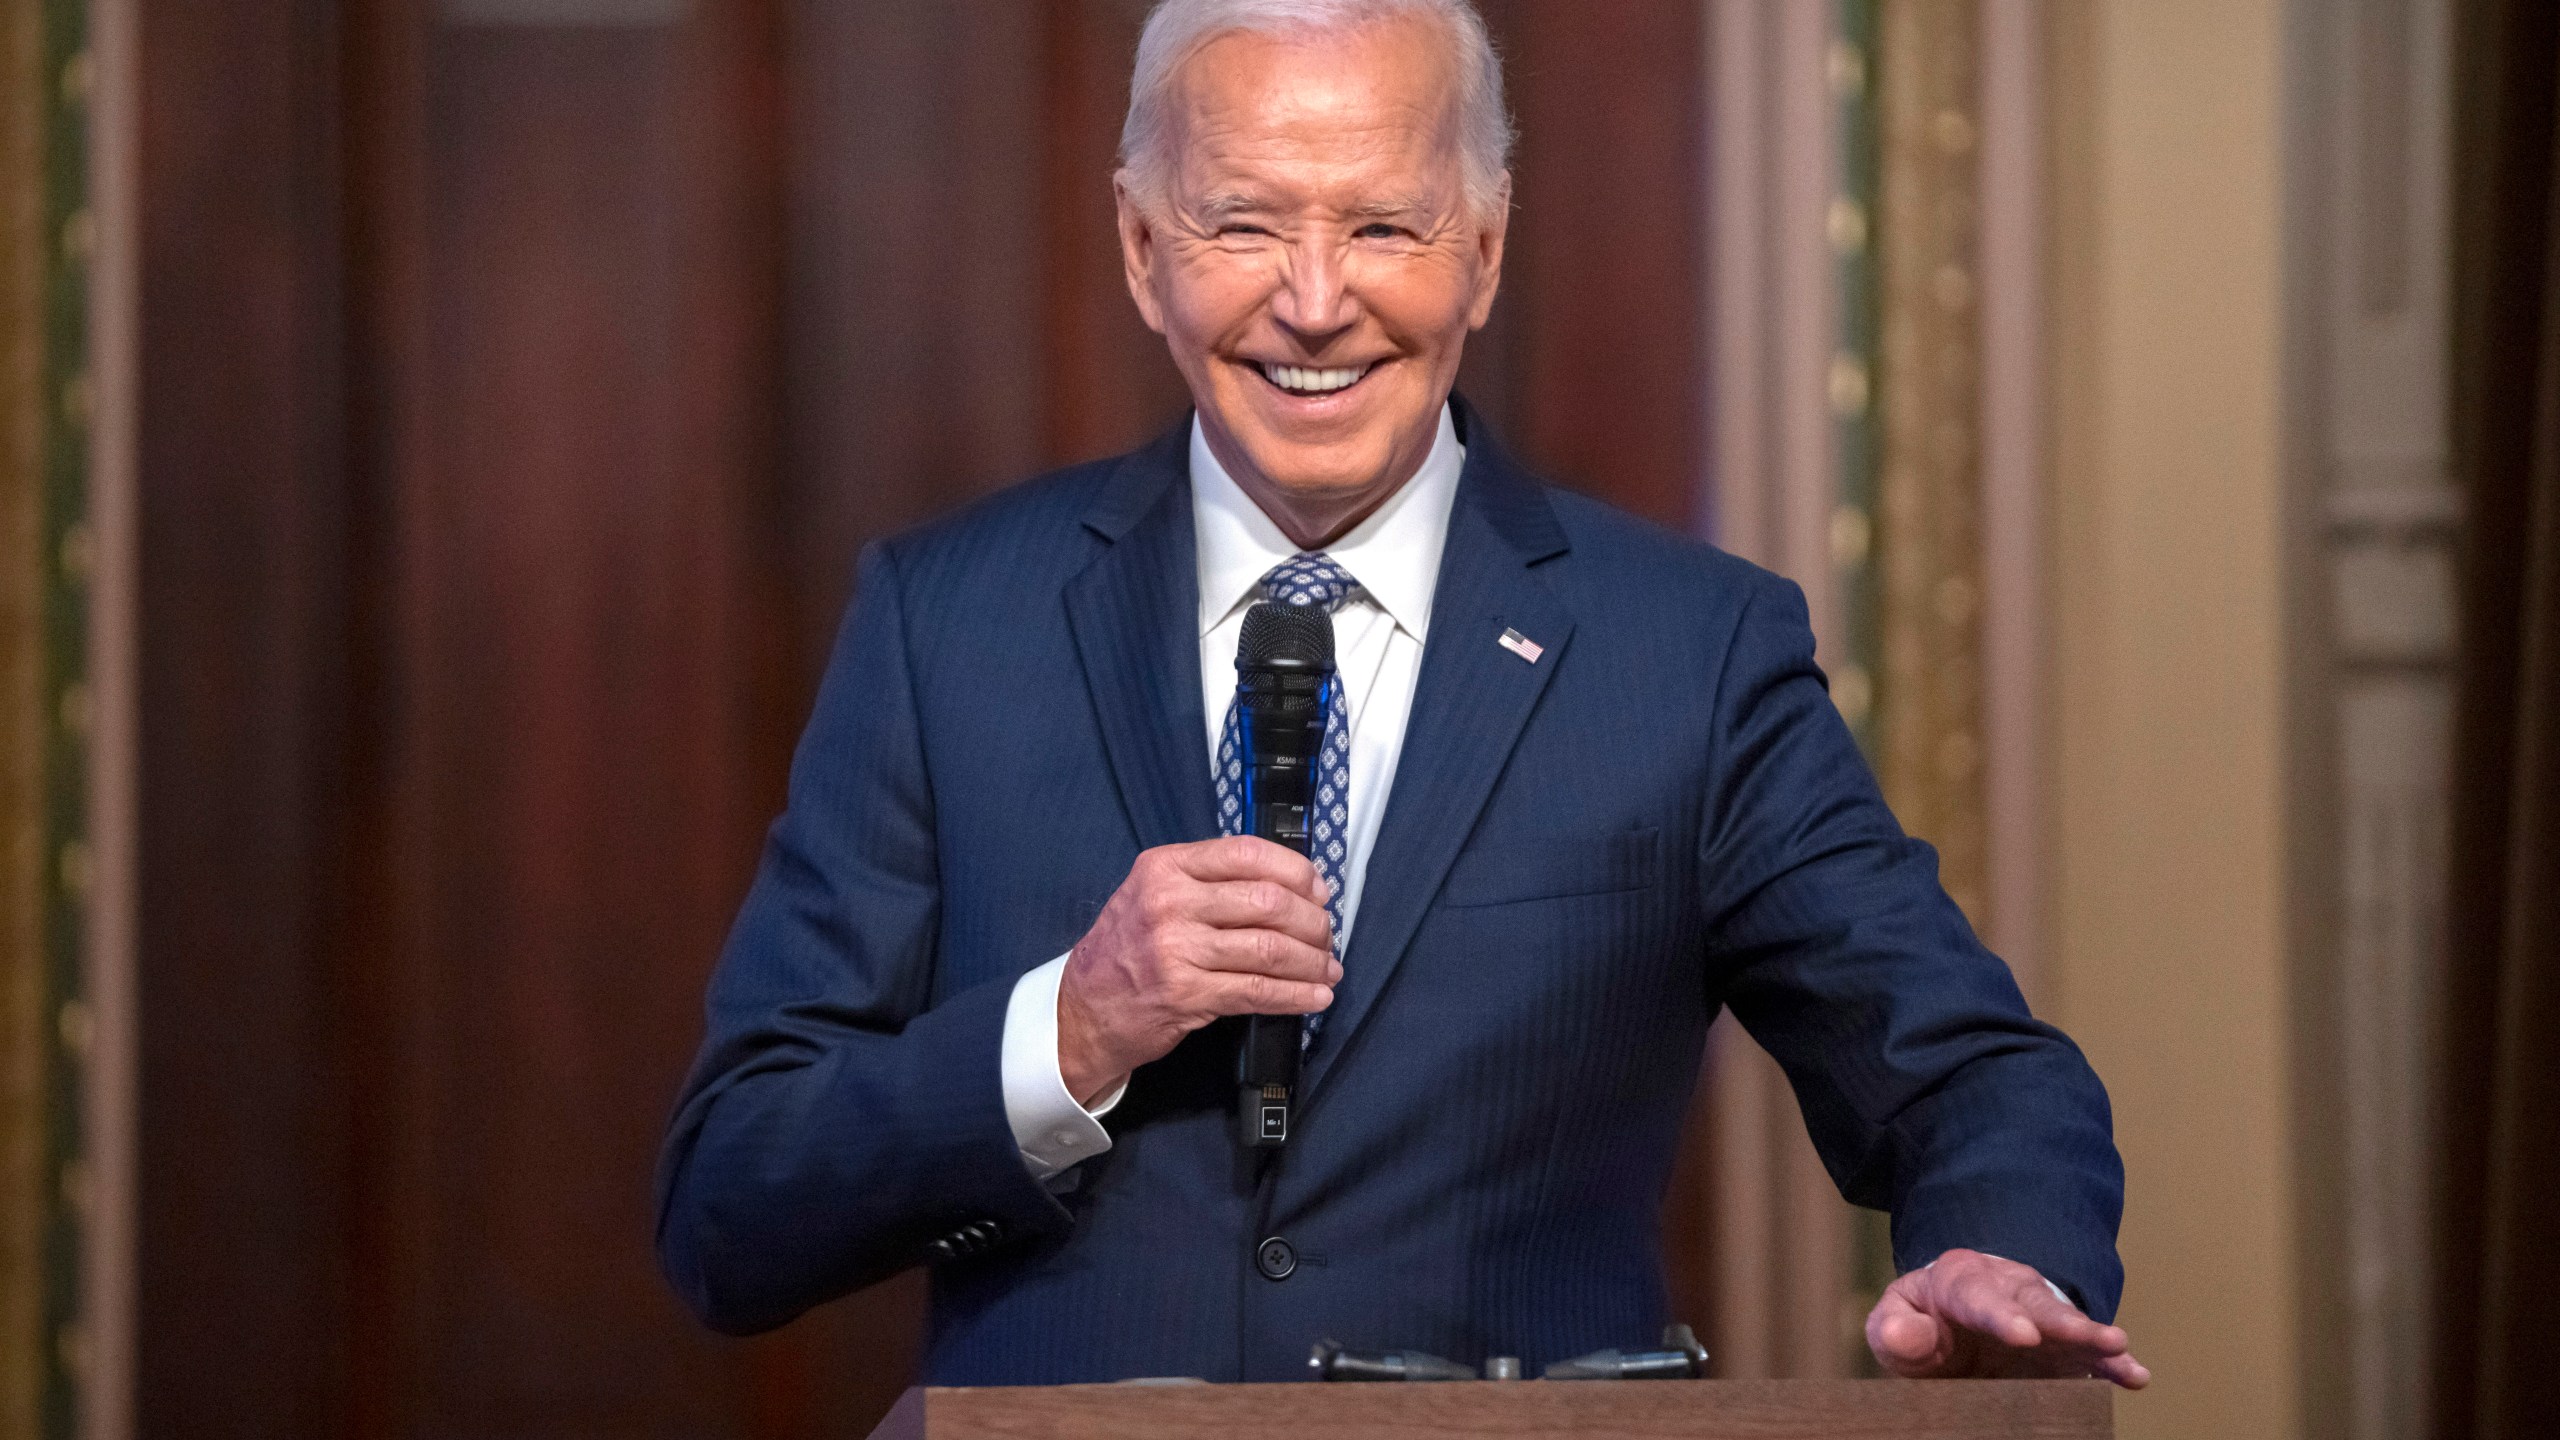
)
(1242, 230)
(1376, 230)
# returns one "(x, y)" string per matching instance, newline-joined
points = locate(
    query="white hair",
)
(1177, 30)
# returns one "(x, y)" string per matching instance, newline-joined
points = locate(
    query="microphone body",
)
(1284, 689)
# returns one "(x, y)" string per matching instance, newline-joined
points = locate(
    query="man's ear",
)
(1489, 243)
(1138, 257)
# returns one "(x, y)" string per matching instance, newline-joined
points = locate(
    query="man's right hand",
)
(1221, 927)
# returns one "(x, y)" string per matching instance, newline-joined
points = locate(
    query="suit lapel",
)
(1135, 615)
(1470, 703)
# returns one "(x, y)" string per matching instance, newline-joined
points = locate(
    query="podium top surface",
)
(1522, 1410)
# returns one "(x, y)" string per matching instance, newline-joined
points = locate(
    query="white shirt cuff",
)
(1051, 1129)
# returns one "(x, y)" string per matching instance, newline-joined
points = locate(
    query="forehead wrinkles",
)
(1224, 179)
(1338, 112)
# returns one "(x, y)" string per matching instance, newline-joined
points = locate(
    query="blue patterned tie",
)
(1311, 579)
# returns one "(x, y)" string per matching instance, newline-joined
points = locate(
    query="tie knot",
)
(1309, 579)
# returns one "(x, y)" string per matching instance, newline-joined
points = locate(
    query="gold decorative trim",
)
(1929, 705)
(26, 1348)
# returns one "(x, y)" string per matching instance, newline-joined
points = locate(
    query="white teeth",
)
(1308, 380)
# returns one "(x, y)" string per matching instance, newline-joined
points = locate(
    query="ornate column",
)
(48, 555)
(1920, 547)
(1876, 221)
(24, 1372)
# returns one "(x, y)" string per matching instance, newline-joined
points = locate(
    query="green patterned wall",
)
(1906, 405)
(45, 392)
(69, 550)
(1856, 377)
(1852, 224)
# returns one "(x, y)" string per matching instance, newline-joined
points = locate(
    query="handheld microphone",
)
(1284, 683)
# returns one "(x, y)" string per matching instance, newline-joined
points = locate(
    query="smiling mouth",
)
(1313, 381)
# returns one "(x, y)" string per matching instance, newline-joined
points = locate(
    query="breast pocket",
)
(1507, 872)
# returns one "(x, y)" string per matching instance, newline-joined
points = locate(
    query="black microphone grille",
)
(1293, 635)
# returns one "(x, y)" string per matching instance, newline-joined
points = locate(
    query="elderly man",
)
(977, 1013)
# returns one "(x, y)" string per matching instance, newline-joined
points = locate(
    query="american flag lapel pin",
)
(1521, 645)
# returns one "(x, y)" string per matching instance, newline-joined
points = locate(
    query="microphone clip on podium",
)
(1680, 1358)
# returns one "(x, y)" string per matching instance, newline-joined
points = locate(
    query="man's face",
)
(1312, 262)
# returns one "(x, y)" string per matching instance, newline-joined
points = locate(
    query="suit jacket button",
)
(945, 1249)
(1275, 1258)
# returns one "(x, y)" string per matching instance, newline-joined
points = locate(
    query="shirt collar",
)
(1394, 554)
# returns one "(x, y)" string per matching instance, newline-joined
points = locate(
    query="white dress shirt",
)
(1378, 635)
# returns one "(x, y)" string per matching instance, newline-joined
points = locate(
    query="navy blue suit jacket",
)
(1583, 858)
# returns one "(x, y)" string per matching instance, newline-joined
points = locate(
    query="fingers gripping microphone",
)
(1284, 681)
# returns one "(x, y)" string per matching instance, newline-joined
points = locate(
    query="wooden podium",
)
(1521, 1409)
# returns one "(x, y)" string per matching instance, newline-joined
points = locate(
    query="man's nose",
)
(1315, 300)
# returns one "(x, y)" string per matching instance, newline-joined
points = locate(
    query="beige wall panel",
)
(2168, 910)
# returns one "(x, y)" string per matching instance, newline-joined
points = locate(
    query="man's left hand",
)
(1971, 1314)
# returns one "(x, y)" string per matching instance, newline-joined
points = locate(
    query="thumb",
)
(1906, 1341)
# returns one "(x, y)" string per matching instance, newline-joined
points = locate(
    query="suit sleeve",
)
(840, 1123)
(1928, 1088)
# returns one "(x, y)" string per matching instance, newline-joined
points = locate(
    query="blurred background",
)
(435, 435)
